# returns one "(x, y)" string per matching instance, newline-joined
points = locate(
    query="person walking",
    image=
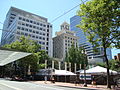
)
(45, 79)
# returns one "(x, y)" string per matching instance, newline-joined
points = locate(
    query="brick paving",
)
(98, 87)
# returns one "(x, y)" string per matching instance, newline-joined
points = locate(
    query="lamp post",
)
(85, 82)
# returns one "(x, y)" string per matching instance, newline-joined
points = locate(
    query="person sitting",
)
(94, 83)
(52, 80)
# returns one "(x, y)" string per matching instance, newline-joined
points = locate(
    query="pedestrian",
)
(45, 79)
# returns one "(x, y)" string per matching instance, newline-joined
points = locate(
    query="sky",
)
(50, 9)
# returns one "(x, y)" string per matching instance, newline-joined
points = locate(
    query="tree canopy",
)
(33, 61)
(76, 55)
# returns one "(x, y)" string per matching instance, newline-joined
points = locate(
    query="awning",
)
(8, 56)
(63, 72)
(98, 70)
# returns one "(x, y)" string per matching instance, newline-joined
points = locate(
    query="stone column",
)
(69, 66)
(59, 65)
(45, 64)
(52, 64)
(65, 65)
(80, 66)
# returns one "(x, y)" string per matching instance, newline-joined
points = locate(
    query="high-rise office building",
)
(63, 41)
(19, 22)
(82, 41)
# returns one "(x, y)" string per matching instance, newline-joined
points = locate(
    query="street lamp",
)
(85, 83)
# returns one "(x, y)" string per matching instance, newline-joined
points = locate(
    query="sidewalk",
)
(71, 85)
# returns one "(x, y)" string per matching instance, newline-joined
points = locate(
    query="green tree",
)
(100, 22)
(32, 61)
(76, 55)
(113, 64)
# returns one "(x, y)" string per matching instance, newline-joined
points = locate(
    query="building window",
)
(34, 26)
(26, 29)
(37, 23)
(33, 31)
(47, 43)
(13, 14)
(18, 32)
(30, 26)
(18, 27)
(37, 32)
(47, 30)
(50, 26)
(40, 28)
(27, 25)
(47, 39)
(30, 30)
(39, 42)
(44, 25)
(47, 26)
(33, 36)
(46, 48)
(19, 23)
(23, 24)
(26, 34)
(31, 21)
(47, 34)
(43, 29)
(39, 37)
(43, 43)
(12, 17)
(43, 34)
(34, 22)
(43, 38)
(41, 24)
(36, 36)
(22, 28)
(23, 19)
(37, 27)
(40, 33)
(20, 18)
(30, 35)
(22, 33)
(27, 20)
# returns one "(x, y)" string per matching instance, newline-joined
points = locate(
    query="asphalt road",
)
(14, 85)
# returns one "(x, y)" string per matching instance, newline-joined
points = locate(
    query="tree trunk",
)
(108, 75)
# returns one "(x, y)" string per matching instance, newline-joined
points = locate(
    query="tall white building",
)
(19, 22)
(63, 41)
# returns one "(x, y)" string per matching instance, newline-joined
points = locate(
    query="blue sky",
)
(46, 8)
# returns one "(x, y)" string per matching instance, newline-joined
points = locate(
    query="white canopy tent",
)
(8, 56)
(63, 72)
(98, 70)
(56, 72)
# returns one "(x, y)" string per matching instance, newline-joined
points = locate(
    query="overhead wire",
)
(56, 17)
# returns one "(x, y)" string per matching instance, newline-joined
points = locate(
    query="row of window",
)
(70, 38)
(69, 41)
(32, 26)
(33, 36)
(32, 31)
(34, 22)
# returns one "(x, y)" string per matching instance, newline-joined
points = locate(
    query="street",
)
(14, 85)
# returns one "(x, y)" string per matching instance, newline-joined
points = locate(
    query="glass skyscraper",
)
(83, 41)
